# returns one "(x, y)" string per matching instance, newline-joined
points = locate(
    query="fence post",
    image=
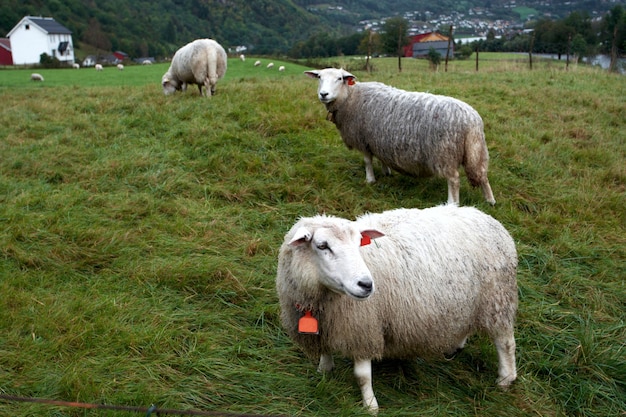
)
(530, 51)
(476, 56)
(448, 50)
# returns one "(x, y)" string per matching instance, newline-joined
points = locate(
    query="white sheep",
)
(76, 65)
(98, 67)
(257, 63)
(281, 68)
(201, 62)
(270, 65)
(120, 67)
(146, 62)
(430, 279)
(242, 57)
(418, 134)
(36, 77)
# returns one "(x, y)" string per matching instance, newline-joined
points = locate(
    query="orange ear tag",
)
(351, 81)
(308, 324)
(365, 240)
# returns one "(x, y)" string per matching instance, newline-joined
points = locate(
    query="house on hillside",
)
(120, 57)
(33, 36)
(6, 58)
(419, 45)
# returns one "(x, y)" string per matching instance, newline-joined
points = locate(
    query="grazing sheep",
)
(281, 68)
(270, 65)
(257, 64)
(146, 62)
(36, 77)
(430, 279)
(242, 57)
(98, 67)
(200, 62)
(76, 65)
(418, 134)
(120, 67)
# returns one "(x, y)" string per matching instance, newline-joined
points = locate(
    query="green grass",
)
(139, 237)
(524, 12)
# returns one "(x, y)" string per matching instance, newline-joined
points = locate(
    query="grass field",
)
(139, 236)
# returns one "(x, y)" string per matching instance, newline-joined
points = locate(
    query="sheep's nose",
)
(366, 284)
(323, 95)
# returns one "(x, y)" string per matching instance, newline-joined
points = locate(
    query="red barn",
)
(419, 45)
(6, 57)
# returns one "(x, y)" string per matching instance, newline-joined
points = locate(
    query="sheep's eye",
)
(322, 246)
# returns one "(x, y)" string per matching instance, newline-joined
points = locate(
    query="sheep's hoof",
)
(505, 382)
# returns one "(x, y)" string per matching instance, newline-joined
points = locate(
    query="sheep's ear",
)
(312, 74)
(302, 236)
(348, 78)
(372, 233)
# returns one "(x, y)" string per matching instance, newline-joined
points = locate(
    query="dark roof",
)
(49, 25)
(5, 43)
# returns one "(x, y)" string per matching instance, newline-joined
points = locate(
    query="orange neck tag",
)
(308, 324)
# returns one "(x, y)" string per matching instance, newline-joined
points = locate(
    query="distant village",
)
(477, 22)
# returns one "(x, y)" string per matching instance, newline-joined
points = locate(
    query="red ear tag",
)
(308, 324)
(365, 240)
(351, 81)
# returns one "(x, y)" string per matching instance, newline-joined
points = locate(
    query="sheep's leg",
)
(505, 344)
(386, 169)
(454, 185)
(487, 193)
(363, 374)
(326, 363)
(370, 178)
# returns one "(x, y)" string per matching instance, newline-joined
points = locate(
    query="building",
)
(419, 45)
(33, 36)
(6, 58)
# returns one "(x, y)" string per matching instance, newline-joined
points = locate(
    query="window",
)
(27, 26)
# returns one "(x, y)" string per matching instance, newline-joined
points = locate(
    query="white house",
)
(33, 36)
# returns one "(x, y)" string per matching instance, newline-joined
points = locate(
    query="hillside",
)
(159, 27)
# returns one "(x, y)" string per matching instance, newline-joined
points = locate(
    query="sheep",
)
(257, 63)
(76, 65)
(98, 67)
(146, 62)
(270, 65)
(120, 67)
(36, 77)
(200, 62)
(242, 57)
(418, 134)
(430, 279)
(281, 68)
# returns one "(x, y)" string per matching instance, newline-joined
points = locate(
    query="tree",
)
(394, 37)
(434, 58)
(613, 33)
(579, 46)
(94, 36)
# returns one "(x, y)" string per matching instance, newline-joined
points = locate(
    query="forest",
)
(299, 28)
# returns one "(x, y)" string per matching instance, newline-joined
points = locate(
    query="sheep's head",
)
(169, 84)
(333, 83)
(334, 251)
